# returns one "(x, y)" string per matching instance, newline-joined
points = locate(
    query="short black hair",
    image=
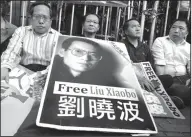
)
(84, 17)
(183, 20)
(31, 9)
(67, 43)
(126, 24)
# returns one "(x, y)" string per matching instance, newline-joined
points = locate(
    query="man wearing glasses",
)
(31, 46)
(90, 25)
(79, 61)
(80, 55)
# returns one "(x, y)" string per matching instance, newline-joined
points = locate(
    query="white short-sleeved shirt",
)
(173, 57)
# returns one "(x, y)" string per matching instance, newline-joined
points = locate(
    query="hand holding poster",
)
(92, 87)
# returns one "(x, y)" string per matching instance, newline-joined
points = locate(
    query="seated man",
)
(31, 46)
(7, 29)
(90, 25)
(172, 56)
(140, 52)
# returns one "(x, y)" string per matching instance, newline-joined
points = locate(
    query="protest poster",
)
(19, 83)
(159, 102)
(17, 98)
(14, 109)
(91, 86)
(20, 79)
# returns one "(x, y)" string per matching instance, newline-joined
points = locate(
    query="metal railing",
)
(124, 10)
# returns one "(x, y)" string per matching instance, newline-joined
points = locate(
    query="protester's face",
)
(134, 29)
(83, 62)
(40, 20)
(91, 24)
(178, 30)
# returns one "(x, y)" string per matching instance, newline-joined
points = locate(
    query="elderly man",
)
(140, 52)
(172, 56)
(90, 25)
(31, 46)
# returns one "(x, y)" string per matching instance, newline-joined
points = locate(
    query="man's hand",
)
(5, 74)
(40, 78)
(189, 67)
(146, 84)
(188, 83)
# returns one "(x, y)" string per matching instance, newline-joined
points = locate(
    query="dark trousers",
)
(166, 80)
(178, 88)
(35, 67)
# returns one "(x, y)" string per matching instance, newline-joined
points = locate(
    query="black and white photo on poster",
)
(91, 86)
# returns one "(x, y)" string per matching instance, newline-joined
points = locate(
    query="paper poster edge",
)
(108, 130)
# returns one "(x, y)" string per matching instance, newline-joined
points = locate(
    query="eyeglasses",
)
(38, 17)
(177, 27)
(92, 21)
(79, 53)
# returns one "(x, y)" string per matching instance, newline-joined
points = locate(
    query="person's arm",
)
(158, 56)
(189, 67)
(188, 82)
(11, 56)
(160, 69)
(149, 56)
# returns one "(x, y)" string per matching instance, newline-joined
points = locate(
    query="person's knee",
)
(166, 80)
(181, 91)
